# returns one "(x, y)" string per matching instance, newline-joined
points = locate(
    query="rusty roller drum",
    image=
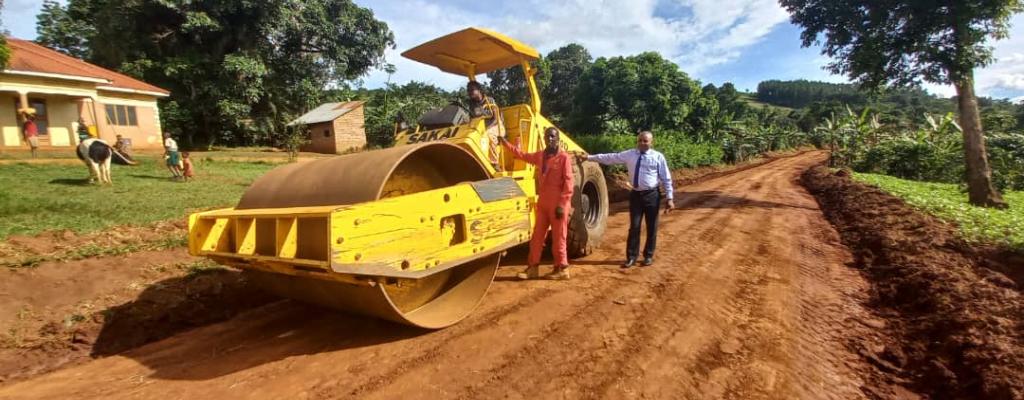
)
(433, 302)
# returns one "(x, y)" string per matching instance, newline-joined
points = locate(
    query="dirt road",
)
(749, 298)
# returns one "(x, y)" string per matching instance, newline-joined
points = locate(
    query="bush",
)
(920, 161)
(914, 161)
(679, 151)
(1006, 156)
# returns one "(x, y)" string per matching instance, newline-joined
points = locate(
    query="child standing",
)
(187, 172)
(172, 157)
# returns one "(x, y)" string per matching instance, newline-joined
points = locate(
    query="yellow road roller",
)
(412, 233)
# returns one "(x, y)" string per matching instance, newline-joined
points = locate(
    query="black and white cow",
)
(96, 155)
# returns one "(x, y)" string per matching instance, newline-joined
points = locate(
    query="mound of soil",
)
(958, 316)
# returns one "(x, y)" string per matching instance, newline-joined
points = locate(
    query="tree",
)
(645, 90)
(5, 51)
(508, 86)
(901, 43)
(566, 65)
(237, 70)
(410, 101)
(67, 29)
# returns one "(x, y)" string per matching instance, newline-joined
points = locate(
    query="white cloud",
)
(696, 34)
(706, 33)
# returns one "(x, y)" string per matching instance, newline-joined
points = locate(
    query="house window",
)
(42, 122)
(122, 115)
(327, 133)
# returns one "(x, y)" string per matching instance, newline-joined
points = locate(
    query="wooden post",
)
(23, 102)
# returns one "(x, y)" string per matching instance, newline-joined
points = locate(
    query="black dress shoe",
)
(648, 261)
(630, 262)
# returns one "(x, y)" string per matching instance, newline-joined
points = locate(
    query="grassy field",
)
(751, 99)
(945, 201)
(39, 197)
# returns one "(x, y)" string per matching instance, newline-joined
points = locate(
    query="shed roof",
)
(326, 112)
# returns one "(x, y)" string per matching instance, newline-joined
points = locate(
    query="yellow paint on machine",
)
(412, 233)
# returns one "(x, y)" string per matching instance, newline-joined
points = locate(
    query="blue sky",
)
(716, 41)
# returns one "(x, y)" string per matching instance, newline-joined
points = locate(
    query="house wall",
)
(10, 131)
(350, 131)
(321, 139)
(66, 101)
(147, 134)
(61, 118)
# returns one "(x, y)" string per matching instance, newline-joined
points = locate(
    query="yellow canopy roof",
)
(472, 51)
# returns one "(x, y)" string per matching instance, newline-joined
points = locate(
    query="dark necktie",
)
(636, 172)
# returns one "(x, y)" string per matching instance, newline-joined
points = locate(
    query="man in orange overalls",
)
(554, 172)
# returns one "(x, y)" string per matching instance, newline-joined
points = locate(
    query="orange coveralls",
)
(554, 173)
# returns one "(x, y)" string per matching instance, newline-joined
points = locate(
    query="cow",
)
(96, 155)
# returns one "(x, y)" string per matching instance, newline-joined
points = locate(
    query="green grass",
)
(1004, 227)
(94, 250)
(751, 100)
(36, 198)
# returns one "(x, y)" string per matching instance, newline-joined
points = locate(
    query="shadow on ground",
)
(70, 181)
(215, 323)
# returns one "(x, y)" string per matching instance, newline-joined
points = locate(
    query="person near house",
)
(172, 156)
(187, 171)
(647, 168)
(482, 105)
(30, 130)
(83, 131)
(554, 172)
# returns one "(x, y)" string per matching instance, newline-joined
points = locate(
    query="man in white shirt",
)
(647, 168)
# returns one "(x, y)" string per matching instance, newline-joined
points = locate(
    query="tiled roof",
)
(30, 57)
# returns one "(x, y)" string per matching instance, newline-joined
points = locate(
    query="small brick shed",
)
(334, 128)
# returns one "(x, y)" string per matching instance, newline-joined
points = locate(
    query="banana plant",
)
(944, 133)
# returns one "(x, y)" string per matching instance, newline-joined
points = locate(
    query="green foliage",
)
(902, 42)
(645, 90)
(558, 76)
(68, 29)
(295, 137)
(946, 201)
(39, 197)
(801, 93)
(933, 153)
(508, 86)
(565, 65)
(679, 151)
(237, 70)
(912, 160)
(1006, 155)
(5, 53)
(410, 101)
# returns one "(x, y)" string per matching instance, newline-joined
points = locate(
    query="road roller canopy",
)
(472, 51)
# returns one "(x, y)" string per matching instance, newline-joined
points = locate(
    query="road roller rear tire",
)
(590, 209)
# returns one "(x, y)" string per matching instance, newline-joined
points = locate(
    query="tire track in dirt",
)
(747, 300)
(597, 291)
